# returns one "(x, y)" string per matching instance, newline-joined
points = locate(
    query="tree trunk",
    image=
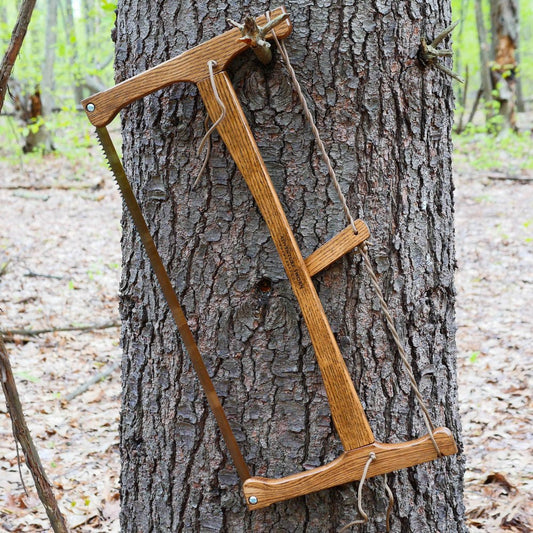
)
(42, 101)
(504, 22)
(89, 17)
(387, 124)
(484, 60)
(70, 32)
(48, 78)
(520, 103)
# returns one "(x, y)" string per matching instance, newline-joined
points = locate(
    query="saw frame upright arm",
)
(347, 412)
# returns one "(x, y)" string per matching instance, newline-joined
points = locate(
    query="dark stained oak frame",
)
(346, 410)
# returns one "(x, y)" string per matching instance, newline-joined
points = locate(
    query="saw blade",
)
(171, 297)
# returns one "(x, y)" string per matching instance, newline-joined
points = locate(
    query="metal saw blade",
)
(171, 297)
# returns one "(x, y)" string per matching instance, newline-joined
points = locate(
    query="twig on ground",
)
(35, 332)
(3, 267)
(92, 381)
(31, 274)
(54, 186)
(30, 195)
(23, 436)
(503, 177)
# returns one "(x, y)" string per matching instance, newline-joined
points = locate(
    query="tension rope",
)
(363, 250)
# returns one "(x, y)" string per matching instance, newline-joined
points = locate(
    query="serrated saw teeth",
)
(114, 164)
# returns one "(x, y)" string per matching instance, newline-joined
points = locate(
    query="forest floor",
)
(60, 268)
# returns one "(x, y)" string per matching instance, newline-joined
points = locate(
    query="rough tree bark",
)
(387, 124)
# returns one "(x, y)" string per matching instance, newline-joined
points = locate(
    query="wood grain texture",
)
(348, 468)
(190, 66)
(335, 248)
(346, 409)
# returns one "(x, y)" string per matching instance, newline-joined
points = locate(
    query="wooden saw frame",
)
(346, 410)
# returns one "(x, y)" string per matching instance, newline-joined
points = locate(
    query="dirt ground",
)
(60, 267)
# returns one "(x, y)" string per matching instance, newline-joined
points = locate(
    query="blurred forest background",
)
(60, 260)
(68, 54)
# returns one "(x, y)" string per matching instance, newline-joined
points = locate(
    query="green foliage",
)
(83, 51)
(80, 51)
(33, 126)
(465, 41)
(512, 151)
(108, 6)
(474, 356)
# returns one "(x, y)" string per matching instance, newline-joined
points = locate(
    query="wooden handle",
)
(346, 409)
(348, 468)
(190, 66)
(343, 243)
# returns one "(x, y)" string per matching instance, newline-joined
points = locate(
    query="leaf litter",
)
(60, 266)
(494, 280)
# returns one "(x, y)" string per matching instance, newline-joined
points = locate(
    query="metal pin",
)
(252, 500)
(90, 107)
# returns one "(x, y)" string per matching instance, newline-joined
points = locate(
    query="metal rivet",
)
(252, 500)
(90, 107)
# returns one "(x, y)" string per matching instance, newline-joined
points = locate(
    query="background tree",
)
(73, 53)
(484, 60)
(50, 46)
(388, 126)
(498, 59)
(505, 32)
(42, 97)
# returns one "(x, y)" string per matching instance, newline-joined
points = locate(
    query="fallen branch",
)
(30, 195)
(503, 177)
(58, 187)
(35, 332)
(92, 381)
(31, 274)
(23, 436)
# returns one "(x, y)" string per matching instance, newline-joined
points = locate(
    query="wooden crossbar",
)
(343, 243)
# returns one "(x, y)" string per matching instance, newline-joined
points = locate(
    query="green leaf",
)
(108, 6)
(26, 375)
(474, 356)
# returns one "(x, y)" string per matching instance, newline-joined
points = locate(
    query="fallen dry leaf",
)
(499, 479)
